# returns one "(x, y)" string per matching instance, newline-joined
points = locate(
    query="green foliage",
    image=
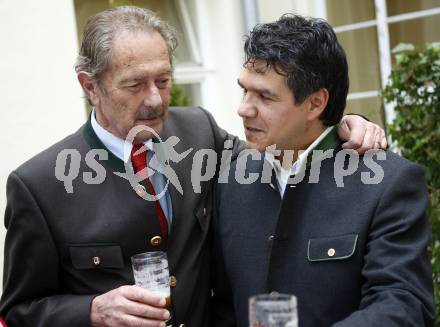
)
(179, 97)
(414, 89)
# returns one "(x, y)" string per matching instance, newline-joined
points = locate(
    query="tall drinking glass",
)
(150, 270)
(273, 310)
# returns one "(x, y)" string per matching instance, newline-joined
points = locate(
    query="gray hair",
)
(100, 31)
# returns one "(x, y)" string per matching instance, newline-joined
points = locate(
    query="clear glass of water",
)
(150, 270)
(273, 310)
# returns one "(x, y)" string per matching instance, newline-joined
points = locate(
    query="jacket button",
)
(331, 252)
(140, 190)
(182, 325)
(271, 238)
(173, 281)
(156, 240)
(96, 261)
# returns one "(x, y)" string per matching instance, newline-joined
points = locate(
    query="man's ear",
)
(90, 87)
(318, 101)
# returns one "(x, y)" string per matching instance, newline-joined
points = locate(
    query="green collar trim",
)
(330, 142)
(95, 143)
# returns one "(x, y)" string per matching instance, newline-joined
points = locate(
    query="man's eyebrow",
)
(142, 77)
(262, 91)
(132, 79)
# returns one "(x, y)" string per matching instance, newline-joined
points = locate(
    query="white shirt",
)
(283, 174)
(122, 150)
(113, 143)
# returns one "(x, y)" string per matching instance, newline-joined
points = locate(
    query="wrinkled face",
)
(137, 85)
(269, 113)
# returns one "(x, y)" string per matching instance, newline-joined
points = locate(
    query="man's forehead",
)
(130, 45)
(264, 79)
(139, 71)
(261, 72)
(134, 56)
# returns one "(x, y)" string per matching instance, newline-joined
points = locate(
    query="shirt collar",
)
(283, 174)
(303, 154)
(119, 147)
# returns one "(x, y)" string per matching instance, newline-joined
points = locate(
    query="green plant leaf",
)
(414, 89)
(403, 47)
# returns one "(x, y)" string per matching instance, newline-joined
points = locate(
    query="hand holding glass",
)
(151, 272)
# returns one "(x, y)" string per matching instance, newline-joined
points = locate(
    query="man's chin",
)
(147, 131)
(255, 146)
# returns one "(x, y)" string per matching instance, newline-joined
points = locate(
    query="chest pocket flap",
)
(331, 248)
(92, 256)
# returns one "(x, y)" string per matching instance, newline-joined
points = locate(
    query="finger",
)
(344, 130)
(147, 311)
(380, 141)
(139, 294)
(356, 138)
(383, 140)
(377, 138)
(369, 139)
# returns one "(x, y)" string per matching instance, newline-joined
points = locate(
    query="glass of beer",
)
(273, 310)
(150, 270)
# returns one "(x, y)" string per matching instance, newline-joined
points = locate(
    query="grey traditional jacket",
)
(62, 249)
(354, 255)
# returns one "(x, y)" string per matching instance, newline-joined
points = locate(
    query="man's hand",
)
(128, 306)
(360, 134)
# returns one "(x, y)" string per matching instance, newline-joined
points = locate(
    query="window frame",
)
(381, 23)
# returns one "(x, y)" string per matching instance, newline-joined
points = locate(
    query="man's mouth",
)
(152, 118)
(252, 129)
(151, 115)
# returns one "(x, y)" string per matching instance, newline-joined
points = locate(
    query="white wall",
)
(221, 39)
(40, 100)
(269, 12)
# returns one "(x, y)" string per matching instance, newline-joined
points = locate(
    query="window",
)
(368, 30)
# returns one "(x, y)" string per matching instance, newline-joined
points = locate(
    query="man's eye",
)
(264, 97)
(134, 86)
(163, 83)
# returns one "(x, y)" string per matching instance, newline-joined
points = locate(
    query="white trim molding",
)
(362, 95)
(413, 15)
(190, 33)
(355, 26)
(383, 37)
(191, 74)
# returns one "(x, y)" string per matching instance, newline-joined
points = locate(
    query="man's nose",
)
(152, 97)
(247, 107)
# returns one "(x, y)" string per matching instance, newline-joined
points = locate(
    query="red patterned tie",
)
(139, 162)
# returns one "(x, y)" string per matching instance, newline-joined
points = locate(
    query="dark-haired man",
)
(68, 246)
(346, 234)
